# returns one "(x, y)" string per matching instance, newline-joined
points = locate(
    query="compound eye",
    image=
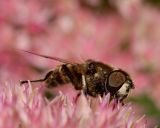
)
(116, 78)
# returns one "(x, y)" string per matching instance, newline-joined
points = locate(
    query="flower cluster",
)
(24, 107)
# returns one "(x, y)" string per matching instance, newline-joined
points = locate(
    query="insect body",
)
(94, 77)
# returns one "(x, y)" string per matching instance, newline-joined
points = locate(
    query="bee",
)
(93, 77)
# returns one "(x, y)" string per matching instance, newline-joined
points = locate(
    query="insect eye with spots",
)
(116, 78)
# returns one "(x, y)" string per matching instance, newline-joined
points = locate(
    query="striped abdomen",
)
(66, 73)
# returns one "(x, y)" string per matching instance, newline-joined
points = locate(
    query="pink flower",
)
(24, 107)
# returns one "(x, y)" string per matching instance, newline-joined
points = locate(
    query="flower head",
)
(25, 107)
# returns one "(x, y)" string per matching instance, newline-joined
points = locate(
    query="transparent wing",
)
(49, 57)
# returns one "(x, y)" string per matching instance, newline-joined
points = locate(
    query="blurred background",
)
(123, 33)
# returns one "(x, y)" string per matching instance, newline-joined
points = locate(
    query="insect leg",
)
(26, 81)
(39, 80)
